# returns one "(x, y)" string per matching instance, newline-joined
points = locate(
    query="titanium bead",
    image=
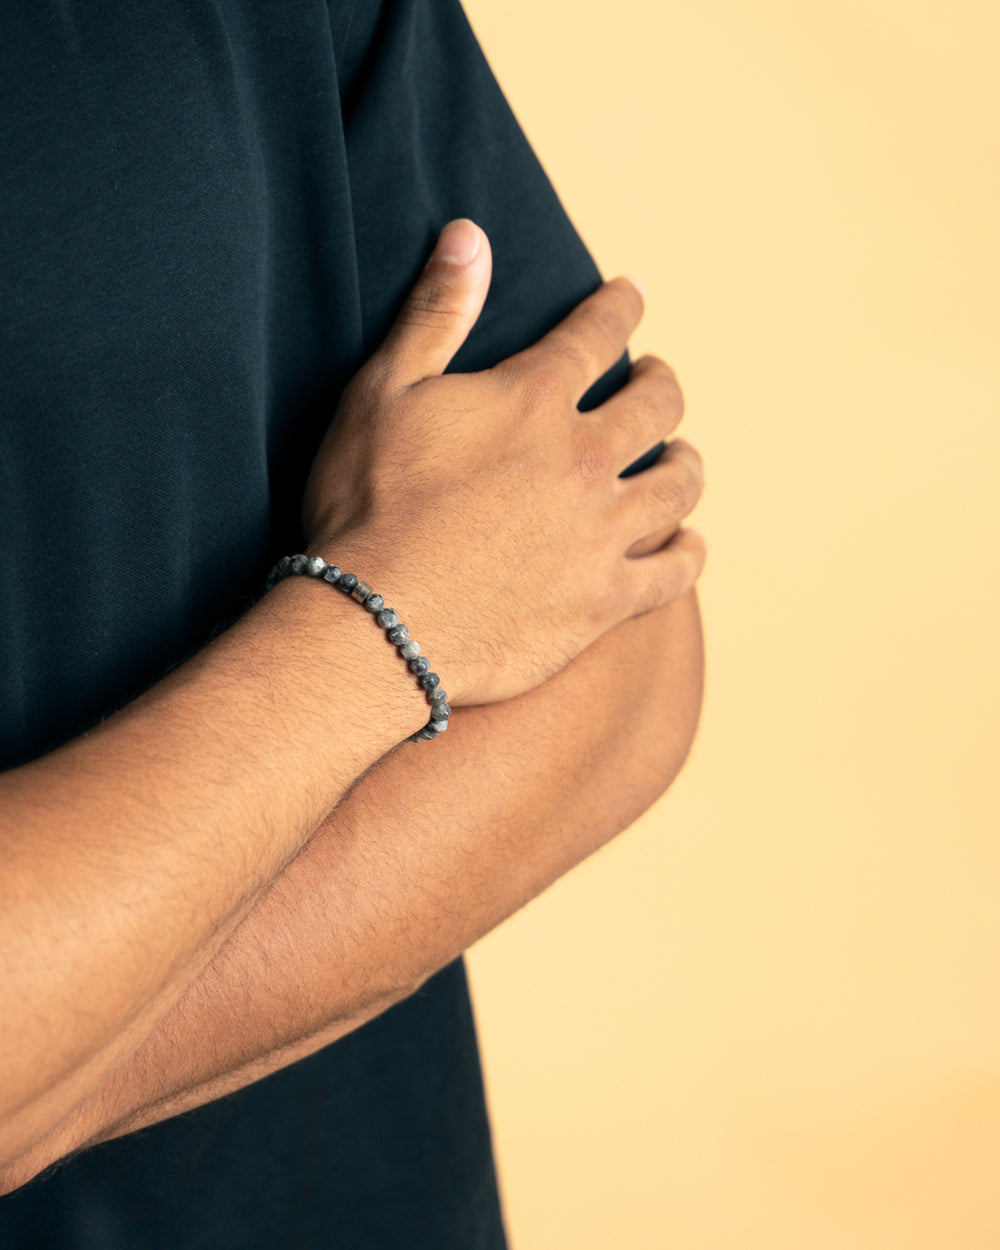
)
(361, 591)
(387, 618)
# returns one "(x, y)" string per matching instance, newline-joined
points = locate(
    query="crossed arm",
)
(427, 852)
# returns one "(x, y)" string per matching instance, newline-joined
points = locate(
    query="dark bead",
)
(316, 566)
(298, 564)
(427, 733)
(420, 665)
(440, 711)
(410, 650)
(348, 581)
(332, 574)
(438, 727)
(438, 695)
(398, 634)
(387, 618)
(374, 603)
(284, 566)
(430, 680)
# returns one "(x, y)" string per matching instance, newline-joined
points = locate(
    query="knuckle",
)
(668, 386)
(659, 382)
(649, 363)
(605, 325)
(675, 493)
(687, 454)
(544, 391)
(430, 303)
(566, 348)
(675, 396)
(646, 409)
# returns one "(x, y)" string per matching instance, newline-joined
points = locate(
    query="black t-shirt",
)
(209, 215)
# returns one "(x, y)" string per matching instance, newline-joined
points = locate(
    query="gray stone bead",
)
(438, 695)
(440, 711)
(298, 564)
(332, 574)
(420, 666)
(316, 566)
(427, 733)
(398, 634)
(430, 680)
(438, 727)
(409, 650)
(361, 591)
(284, 566)
(348, 581)
(387, 618)
(374, 603)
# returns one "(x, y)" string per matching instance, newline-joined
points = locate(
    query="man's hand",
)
(486, 506)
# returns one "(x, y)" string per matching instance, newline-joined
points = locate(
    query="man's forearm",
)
(131, 853)
(427, 853)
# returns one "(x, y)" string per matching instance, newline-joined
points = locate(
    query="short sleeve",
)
(429, 137)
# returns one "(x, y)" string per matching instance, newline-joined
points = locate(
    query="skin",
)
(161, 874)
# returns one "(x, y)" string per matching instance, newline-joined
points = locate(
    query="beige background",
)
(768, 1015)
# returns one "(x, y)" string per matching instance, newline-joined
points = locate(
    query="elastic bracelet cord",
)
(350, 584)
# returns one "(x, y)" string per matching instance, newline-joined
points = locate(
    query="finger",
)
(646, 410)
(664, 494)
(441, 308)
(663, 576)
(584, 346)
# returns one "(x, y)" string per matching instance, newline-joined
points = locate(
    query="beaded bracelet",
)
(399, 635)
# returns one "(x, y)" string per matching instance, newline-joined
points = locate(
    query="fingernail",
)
(458, 242)
(638, 285)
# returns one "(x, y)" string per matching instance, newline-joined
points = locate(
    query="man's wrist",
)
(345, 657)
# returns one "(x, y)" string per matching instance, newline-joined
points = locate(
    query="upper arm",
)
(429, 137)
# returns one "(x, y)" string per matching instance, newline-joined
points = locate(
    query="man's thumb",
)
(442, 307)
